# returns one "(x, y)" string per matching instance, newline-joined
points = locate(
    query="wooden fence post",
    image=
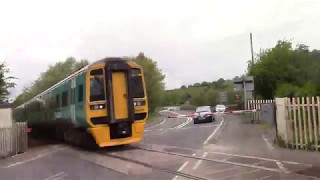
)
(305, 131)
(300, 123)
(296, 137)
(309, 121)
(315, 129)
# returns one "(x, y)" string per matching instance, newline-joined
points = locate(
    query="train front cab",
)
(117, 106)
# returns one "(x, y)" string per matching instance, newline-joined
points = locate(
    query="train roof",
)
(71, 76)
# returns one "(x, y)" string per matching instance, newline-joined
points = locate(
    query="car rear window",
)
(203, 109)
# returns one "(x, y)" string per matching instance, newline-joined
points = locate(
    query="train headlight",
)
(139, 103)
(97, 106)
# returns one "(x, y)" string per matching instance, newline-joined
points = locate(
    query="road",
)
(171, 149)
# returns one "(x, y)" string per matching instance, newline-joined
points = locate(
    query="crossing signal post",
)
(245, 84)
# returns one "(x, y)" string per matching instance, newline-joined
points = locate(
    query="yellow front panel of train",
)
(120, 99)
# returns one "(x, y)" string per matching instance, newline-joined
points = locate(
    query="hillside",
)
(205, 93)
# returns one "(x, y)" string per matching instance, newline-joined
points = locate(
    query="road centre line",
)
(189, 119)
(54, 176)
(181, 168)
(164, 120)
(199, 161)
(214, 132)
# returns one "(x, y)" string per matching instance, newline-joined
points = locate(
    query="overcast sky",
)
(192, 41)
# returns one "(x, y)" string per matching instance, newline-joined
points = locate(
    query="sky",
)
(192, 41)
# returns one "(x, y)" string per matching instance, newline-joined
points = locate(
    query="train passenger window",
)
(64, 99)
(138, 91)
(80, 93)
(97, 89)
(57, 100)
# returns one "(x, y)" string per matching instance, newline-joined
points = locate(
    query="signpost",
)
(245, 84)
(223, 97)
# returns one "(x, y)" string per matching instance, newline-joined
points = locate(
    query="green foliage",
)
(153, 78)
(51, 76)
(5, 82)
(286, 71)
(198, 94)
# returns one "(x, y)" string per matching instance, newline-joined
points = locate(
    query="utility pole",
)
(251, 48)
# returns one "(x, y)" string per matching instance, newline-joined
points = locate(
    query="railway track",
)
(254, 166)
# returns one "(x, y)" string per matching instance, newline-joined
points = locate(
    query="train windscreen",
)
(97, 89)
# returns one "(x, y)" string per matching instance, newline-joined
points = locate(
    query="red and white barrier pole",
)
(227, 112)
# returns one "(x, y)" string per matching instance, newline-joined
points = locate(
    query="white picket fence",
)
(256, 105)
(301, 117)
(13, 140)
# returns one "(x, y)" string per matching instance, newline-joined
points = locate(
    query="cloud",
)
(192, 42)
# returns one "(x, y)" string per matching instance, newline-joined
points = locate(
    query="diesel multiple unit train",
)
(105, 101)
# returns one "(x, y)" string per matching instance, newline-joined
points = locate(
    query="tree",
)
(283, 70)
(183, 87)
(6, 82)
(51, 76)
(153, 78)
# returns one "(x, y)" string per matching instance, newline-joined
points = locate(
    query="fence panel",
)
(302, 118)
(13, 140)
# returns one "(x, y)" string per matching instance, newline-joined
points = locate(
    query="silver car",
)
(203, 114)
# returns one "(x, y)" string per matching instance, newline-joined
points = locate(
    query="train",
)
(104, 102)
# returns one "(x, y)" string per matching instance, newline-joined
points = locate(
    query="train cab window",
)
(138, 91)
(96, 72)
(97, 89)
(80, 93)
(64, 99)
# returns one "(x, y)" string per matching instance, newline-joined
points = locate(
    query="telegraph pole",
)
(251, 48)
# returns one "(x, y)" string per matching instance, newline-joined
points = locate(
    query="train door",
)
(120, 94)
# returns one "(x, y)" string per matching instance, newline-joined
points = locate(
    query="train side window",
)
(58, 100)
(80, 93)
(64, 99)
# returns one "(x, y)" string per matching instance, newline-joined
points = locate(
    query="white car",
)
(203, 114)
(220, 108)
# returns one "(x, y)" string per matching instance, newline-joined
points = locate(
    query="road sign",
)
(223, 97)
(237, 96)
(245, 84)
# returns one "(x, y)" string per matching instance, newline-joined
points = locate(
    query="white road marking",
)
(199, 127)
(267, 142)
(239, 155)
(242, 173)
(189, 119)
(34, 158)
(193, 154)
(214, 132)
(60, 177)
(279, 163)
(181, 168)
(164, 120)
(199, 161)
(55, 176)
(265, 177)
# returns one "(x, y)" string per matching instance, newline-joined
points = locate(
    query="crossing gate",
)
(14, 139)
(257, 106)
